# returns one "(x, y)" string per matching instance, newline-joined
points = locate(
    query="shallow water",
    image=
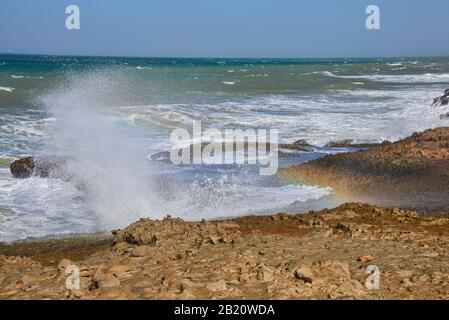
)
(110, 114)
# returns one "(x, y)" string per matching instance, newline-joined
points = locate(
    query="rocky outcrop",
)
(442, 100)
(37, 166)
(411, 173)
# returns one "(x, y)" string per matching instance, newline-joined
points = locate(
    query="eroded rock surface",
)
(413, 172)
(321, 255)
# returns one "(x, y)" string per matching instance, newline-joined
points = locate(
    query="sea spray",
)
(100, 159)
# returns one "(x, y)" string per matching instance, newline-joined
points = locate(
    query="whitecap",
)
(7, 89)
(406, 78)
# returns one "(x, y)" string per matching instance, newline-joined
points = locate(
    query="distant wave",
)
(406, 78)
(27, 77)
(7, 89)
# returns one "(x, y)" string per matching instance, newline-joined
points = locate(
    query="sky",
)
(226, 28)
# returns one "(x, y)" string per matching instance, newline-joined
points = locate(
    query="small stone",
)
(217, 286)
(264, 273)
(406, 282)
(366, 258)
(304, 273)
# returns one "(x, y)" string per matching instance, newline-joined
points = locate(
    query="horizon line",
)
(216, 57)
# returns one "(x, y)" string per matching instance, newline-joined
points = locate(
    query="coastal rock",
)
(299, 145)
(38, 166)
(340, 143)
(269, 258)
(22, 168)
(150, 232)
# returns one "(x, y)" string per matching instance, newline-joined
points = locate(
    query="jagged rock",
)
(304, 273)
(150, 232)
(217, 286)
(299, 145)
(442, 100)
(339, 144)
(338, 268)
(349, 289)
(141, 251)
(105, 281)
(272, 259)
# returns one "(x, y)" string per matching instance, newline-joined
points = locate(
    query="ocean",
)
(111, 114)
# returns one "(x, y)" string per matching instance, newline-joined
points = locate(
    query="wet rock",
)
(340, 143)
(22, 168)
(299, 145)
(38, 166)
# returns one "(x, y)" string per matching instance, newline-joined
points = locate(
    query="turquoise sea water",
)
(112, 113)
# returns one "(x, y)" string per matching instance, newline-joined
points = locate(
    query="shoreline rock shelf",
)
(319, 255)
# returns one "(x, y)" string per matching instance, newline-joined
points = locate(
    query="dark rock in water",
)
(37, 166)
(443, 100)
(444, 116)
(349, 143)
(22, 168)
(340, 144)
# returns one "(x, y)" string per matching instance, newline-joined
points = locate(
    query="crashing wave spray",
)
(99, 157)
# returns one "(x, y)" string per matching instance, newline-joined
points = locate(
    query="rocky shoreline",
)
(322, 255)
(411, 173)
(315, 255)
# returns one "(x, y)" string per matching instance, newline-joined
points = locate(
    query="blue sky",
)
(226, 28)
